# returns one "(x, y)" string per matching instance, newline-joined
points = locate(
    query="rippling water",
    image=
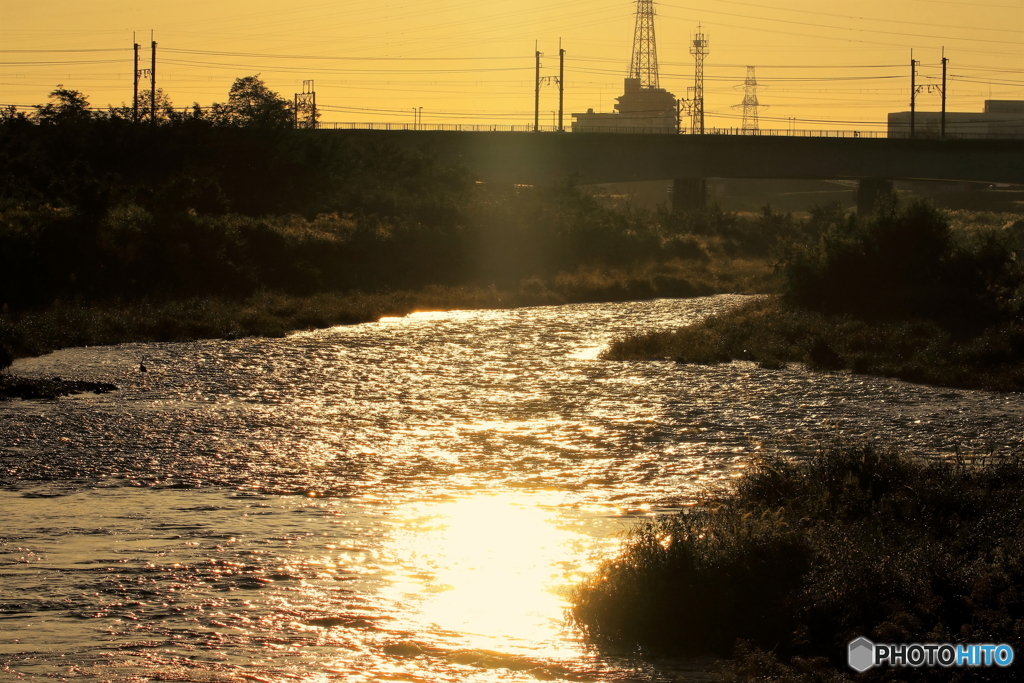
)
(404, 500)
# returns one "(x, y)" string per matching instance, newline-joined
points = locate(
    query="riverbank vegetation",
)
(803, 556)
(273, 314)
(912, 293)
(228, 221)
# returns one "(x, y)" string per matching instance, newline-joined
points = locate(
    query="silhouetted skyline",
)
(826, 66)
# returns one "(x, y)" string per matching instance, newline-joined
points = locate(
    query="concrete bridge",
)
(539, 158)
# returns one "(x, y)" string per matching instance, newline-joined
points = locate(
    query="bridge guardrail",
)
(457, 127)
(528, 128)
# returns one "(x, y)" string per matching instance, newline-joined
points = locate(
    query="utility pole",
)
(913, 90)
(152, 85)
(143, 73)
(135, 86)
(943, 119)
(561, 86)
(536, 91)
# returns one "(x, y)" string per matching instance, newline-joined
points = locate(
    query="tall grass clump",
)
(802, 556)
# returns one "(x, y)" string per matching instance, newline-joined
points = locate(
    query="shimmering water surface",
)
(406, 500)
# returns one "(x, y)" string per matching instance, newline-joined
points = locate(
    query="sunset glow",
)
(818, 65)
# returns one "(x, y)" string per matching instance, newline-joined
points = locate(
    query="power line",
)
(64, 63)
(801, 66)
(286, 69)
(99, 49)
(862, 41)
(994, 81)
(839, 28)
(329, 57)
(889, 21)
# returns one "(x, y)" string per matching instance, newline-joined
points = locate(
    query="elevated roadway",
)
(538, 158)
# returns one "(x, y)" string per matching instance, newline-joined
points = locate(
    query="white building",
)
(638, 110)
(1001, 118)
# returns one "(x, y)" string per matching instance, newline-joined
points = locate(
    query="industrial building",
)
(644, 107)
(638, 110)
(1000, 119)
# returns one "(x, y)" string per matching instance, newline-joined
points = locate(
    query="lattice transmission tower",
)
(699, 50)
(644, 64)
(750, 102)
(305, 106)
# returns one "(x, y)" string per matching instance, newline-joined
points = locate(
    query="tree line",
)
(250, 104)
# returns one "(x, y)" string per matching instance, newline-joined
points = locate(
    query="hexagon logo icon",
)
(861, 655)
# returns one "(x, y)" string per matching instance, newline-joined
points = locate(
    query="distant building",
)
(1001, 118)
(639, 110)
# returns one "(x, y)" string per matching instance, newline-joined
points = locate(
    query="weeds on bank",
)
(770, 332)
(63, 325)
(66, 324)
(804, 555)
(902, 295)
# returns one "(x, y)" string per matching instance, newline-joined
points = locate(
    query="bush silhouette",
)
(803, 555)
(902, 263)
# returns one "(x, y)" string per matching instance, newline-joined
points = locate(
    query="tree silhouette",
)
(251, 104)
(164, 108)
(65, 106)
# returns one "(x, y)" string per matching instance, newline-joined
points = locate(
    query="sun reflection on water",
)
(491, 569)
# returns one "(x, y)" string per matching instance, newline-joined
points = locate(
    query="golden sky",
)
(825, 64)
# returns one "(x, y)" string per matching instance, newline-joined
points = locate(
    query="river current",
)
(406, 500)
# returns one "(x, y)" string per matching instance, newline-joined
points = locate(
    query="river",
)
(405, 500)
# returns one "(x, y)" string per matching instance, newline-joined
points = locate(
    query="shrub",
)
(804, 555)
(903, 264)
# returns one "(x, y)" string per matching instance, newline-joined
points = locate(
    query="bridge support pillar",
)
(869, 190)
(689, 193)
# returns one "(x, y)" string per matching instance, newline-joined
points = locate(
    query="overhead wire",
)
(959, 27)
(308, 69)
(839, 28)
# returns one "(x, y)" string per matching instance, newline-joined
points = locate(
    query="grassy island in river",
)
(904, 294)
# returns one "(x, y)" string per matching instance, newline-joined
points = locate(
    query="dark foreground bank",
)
(804, 556)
